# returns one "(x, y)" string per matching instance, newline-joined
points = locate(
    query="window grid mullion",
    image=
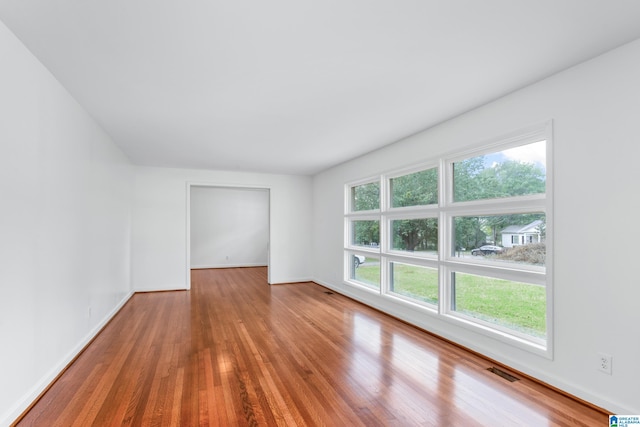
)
(445, 211)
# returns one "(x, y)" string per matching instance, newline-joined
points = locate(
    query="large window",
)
(465, 237)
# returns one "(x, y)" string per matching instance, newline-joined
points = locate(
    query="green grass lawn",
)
(415, 282)
(518, 306)
(369, 273)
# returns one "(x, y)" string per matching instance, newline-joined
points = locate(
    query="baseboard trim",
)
(205, 267)
(291, 281)
(24, 405)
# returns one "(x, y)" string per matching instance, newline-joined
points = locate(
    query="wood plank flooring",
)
(236, 351)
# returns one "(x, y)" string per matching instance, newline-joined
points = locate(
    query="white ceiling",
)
(297, 86)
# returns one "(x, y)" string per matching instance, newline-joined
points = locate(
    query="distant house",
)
(516, 235)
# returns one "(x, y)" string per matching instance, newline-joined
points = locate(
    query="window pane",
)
(513, 305)
(365, 270)
(365, 233)
(518, 238)
(365, 197)
(415, 235)
(416, 282)
(416, 189)
(517, 171)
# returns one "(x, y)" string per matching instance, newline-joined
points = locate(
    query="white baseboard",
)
(28, 398)
(170, 289)
(203, 267)
(288, 281)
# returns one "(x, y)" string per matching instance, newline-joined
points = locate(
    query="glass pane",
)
(416, 189)
(516, 238)
(365, 197)
(365, 270)
(416, 282)
(517, 171)
(365, 233)
(419, 236)
(513, 305)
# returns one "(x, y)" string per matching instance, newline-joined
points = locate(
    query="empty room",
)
(319, 213)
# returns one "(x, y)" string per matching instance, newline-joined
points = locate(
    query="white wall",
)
(64, 227)
(159, 251)
(229, 227)
(595, 109)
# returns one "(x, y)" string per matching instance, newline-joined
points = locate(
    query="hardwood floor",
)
(236, 351)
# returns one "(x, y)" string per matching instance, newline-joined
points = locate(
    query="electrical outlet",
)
(604, 363)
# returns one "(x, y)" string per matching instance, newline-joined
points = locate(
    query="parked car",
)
(486, 250)
(357, 260)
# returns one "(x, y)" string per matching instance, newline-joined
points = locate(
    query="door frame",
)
(188, 222)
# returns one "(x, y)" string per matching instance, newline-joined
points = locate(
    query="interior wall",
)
(159, 249)
(229, 227)
(64, 227)
(595, 108)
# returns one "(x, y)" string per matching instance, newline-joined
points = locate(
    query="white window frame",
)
(445, 210)
(352, 215)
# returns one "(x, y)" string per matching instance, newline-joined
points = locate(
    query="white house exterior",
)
(516, 235)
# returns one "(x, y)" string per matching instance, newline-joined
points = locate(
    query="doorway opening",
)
(227, 227)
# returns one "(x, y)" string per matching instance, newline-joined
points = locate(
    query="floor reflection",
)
(388, 365)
